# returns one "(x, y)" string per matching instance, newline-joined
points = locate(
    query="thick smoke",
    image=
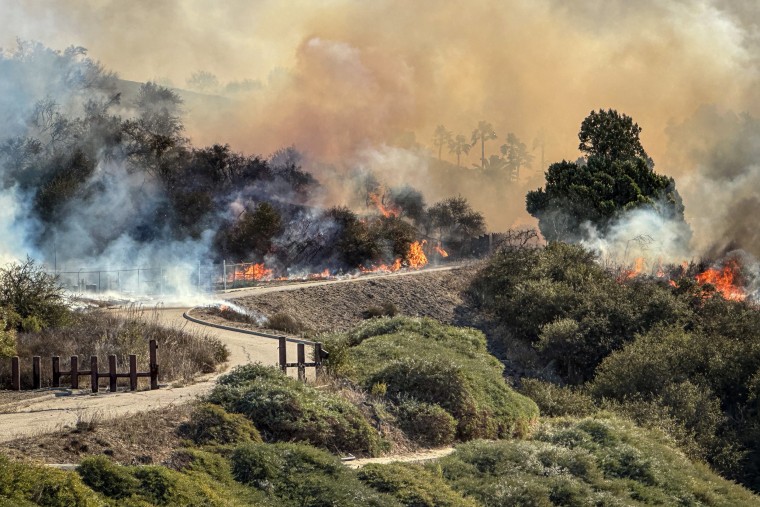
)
(361, 86)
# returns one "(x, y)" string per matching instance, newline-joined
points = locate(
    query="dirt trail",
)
(63, 408)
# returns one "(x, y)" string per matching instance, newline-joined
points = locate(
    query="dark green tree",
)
(616, 176)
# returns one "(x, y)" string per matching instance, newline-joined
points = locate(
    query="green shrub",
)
(303, 474)
(107, 478)
(593, 461)
(555, 401)
(387, 309)
(24, 484)
(434, 364)
(284, 409)
(426, 423)
(412, 485)
(30, 292)
(210, 424)
(284, 322)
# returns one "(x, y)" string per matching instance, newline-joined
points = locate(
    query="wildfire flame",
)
(382, 268)
(637, 269)
(724, 280)
(253, 273)
(385, 210)
(416, 256)
(443, 253)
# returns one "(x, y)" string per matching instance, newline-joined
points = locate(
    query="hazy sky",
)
(343, 77)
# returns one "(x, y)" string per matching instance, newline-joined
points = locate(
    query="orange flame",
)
(382, 268)
(252, 273)
(724, 280)
(443, 253)
(386, 211)
(638, 268)
(416, 256)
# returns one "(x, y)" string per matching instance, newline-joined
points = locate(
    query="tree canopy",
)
(616, 176)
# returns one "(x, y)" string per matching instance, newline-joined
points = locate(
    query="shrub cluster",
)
(284, 409)
(422, 364)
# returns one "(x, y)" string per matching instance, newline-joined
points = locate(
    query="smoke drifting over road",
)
(360, 86)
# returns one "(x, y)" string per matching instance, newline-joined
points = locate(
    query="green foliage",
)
(31, 297)
(107, 478)
(426, 423)
(385, 310)
(210, 424)
(455, 221)
(434, 364)
(616, 177)
(556, 401)
(251, 235)
(24, 485)
(560, 300)
(284, 409)
(412, 485)
(302, 476)
(356, 244)
(599, 461)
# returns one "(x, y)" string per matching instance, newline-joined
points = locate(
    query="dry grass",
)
(148, 437)
(182, 355)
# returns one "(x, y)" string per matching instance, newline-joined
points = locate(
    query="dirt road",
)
(63, 408)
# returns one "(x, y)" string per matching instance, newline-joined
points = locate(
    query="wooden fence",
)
(301, 364)
(95, 375)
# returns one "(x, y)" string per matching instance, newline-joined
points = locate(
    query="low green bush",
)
(412, 485)
(594, 461)
(107, 478)
(211, 424)
(27, 485)
(303, 475)
(434, 364)
(427, 424)
(284, 409)
(556, 401)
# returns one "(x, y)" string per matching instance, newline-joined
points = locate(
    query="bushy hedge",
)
(26, 485)
(432, 363)
(592, 461)
(302, 475)
(210, 424)
(284, 409)
(412, 485)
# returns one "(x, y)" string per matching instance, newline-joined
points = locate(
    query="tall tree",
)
(483, 133)
(459, 145)
(615, 177)
(516, 156)
(441, 138)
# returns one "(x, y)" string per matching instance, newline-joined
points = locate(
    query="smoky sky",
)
(345, 80)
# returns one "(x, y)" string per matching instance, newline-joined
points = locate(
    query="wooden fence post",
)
(36, 373)
(301, 360)
(153, 365)
(112, 373)
(56, 371)
(283, 354)
(94, 373)
(15, 374)
(318, 359)
(132, 372)
(75, 372)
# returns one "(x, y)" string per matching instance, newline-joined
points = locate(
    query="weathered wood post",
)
(132, 372)
(153, 365)
(36, 373)
(318, 360)
(56, 371)
(112, 373)
(75, 372)
(283, 354)
(94, 373)
(301, 360)
(15, 374)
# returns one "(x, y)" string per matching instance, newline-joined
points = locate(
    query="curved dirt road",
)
(60, 409)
